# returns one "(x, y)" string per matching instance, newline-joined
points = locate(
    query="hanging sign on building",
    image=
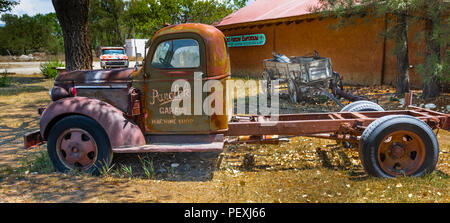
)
(246, 40)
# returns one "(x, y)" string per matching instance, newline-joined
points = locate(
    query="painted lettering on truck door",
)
(171, 58)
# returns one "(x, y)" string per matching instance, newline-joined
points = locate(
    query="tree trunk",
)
(73, 18)
(431, 85)
(119, 34)
(401, 39)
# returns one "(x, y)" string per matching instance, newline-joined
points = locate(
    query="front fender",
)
(121, 132)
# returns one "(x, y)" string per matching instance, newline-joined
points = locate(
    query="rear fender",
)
(121, 132)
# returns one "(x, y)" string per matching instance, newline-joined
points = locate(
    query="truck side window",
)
(179, 53)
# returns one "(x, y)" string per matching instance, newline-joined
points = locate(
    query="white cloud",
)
(33, 7)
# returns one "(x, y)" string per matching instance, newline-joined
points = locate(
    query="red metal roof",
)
(268, 10)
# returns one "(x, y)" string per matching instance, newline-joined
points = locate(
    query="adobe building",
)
(358, 52)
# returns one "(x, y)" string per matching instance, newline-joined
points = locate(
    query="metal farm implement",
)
(305, 77)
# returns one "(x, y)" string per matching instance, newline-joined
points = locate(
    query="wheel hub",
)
(401, 153)
(77, 149)
(396, 151)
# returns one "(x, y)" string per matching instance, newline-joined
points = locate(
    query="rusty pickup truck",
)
(97, 113)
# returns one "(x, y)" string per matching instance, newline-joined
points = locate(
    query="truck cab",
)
(96, 113)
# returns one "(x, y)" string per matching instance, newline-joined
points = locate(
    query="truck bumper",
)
(32, 139)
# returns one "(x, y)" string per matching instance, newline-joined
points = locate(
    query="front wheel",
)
(79, 143)
(398, 145)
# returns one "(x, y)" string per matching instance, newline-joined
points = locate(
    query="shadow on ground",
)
(169, 166)
(23, 84)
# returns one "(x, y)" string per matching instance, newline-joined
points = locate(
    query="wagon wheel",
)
(267, 88)
(398, 145)
(336, 83)
(292, 89)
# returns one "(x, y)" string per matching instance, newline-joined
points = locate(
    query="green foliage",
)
(112, 21)
(48, 68)
(37, 163)
(106, 23)
(434, 13)
(5, 80)
(435, 68)
(148, 167)
(105, 168)
(25, 34)
(431, 12)
(6, 5)
(128, 170)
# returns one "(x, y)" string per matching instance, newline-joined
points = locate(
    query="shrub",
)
(48, 68)
(5, 80)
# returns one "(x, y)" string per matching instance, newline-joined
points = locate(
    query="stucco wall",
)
(416, 50)
(356, 51)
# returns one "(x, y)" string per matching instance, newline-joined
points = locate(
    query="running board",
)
(168, 148)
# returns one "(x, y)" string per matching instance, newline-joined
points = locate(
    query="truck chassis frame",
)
(325, 125)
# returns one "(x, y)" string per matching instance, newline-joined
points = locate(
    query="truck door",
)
(173, 57)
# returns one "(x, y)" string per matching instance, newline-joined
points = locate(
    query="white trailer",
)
(130, 45)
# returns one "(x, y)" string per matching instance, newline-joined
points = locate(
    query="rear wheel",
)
(398, 145)
(78, 143)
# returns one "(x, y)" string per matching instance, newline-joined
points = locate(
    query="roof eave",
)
(269, 21)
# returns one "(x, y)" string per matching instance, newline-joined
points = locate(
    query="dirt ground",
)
(303, 170)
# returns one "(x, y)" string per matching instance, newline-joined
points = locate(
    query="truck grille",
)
(109, 63)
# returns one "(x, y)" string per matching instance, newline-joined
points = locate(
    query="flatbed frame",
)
(338, 125)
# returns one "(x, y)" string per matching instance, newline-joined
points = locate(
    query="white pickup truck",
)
(113, 57)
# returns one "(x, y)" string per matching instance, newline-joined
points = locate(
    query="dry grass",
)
(304, 170)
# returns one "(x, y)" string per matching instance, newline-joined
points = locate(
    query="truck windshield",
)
(110, 51)
(179, 53)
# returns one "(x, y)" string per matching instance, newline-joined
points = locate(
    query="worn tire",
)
(359, 106)
(376, 133)
(104, 154)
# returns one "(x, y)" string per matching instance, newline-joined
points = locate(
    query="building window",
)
(179, 53)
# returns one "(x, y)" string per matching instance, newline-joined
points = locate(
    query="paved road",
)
(33, 67)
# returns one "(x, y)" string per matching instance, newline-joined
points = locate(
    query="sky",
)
(33, 7)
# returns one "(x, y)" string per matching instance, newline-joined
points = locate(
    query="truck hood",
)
(96, 76)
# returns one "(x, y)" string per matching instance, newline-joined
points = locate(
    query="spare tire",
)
(359, 106)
